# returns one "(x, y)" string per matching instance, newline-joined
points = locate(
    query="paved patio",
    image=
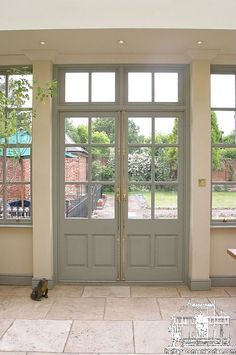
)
(98, 319)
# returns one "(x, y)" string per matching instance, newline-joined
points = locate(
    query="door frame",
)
(183, 106)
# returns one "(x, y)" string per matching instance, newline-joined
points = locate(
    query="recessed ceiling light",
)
(42, 43)
(199, 42)
(121, 41)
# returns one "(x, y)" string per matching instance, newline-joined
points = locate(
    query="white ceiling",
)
(104, 42)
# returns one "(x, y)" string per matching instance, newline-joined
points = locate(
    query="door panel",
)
(121, 204)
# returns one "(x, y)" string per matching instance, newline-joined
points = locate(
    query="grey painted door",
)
(121, 197)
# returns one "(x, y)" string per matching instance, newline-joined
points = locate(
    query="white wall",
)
(67, 14)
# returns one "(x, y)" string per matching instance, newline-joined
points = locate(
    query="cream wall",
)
(222, 264)
(16, 251)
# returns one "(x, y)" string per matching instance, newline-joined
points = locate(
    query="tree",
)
(216, 137)
(16, 123)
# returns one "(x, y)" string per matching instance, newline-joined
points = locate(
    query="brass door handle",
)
(118, 195)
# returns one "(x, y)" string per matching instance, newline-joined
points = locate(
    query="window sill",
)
(16, 226)
(224, 226)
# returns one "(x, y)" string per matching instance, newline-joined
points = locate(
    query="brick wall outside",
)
(224, 175)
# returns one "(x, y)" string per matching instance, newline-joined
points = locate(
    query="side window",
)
(15, 147)
(223, 137)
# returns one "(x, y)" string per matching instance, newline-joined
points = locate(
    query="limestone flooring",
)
(99, 319)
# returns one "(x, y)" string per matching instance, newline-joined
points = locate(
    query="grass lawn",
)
(162, 198)
(224, 199)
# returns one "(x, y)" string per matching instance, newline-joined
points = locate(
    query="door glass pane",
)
(139, 164)
(76, 87)
(18, 169)
(103, 87)
(223, 127)
(103, 130)
(166, 202)
(139, 202)
(76, 130)
(23, 82)
(103, 164)
(223, 164)
(1, 201)
(223, 90)
(1, 167)
(103, 201)
(166, 130)
(166, 87)
(140, 87)
(166, 164)
(2, 83)
(76, 201)
(139, 130)
(18, 201)
(223, 202)
(76, 164)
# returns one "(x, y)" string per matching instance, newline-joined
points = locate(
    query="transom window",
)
(90, 87)
(154, 85)
(223, 136)
(15, 146)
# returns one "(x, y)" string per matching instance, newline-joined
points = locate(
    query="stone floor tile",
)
(227, 305)
(36, 335)
(77, 308)
(151, 336)
(231, 291)
(4, 325)
(213, 292)
(106, 291)
(233, 332)
(154, 291)
(132, 309)
(13, 353)
(170, 306)
(66, 291)
(24, 308)
(101, 337)
(6, 290)
(44, 353)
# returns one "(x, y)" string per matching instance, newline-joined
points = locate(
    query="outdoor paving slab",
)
(77, 308)
(151, 336)
(24, 308)
(106, 291)
(132, 309)
(227, 305)
(66, 291)
(101, 337)
(154, 291)
(171, 306)
(4, 325)
(36, 335)
(213, 292)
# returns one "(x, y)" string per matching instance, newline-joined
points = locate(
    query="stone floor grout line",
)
(104, 311)
(177, 289)
(82, 294)
(159, 308)
(133, 337)
(227, 293)
(72, 322)
(9, 327)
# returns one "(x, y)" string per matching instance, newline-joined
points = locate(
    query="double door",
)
(121, 201)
